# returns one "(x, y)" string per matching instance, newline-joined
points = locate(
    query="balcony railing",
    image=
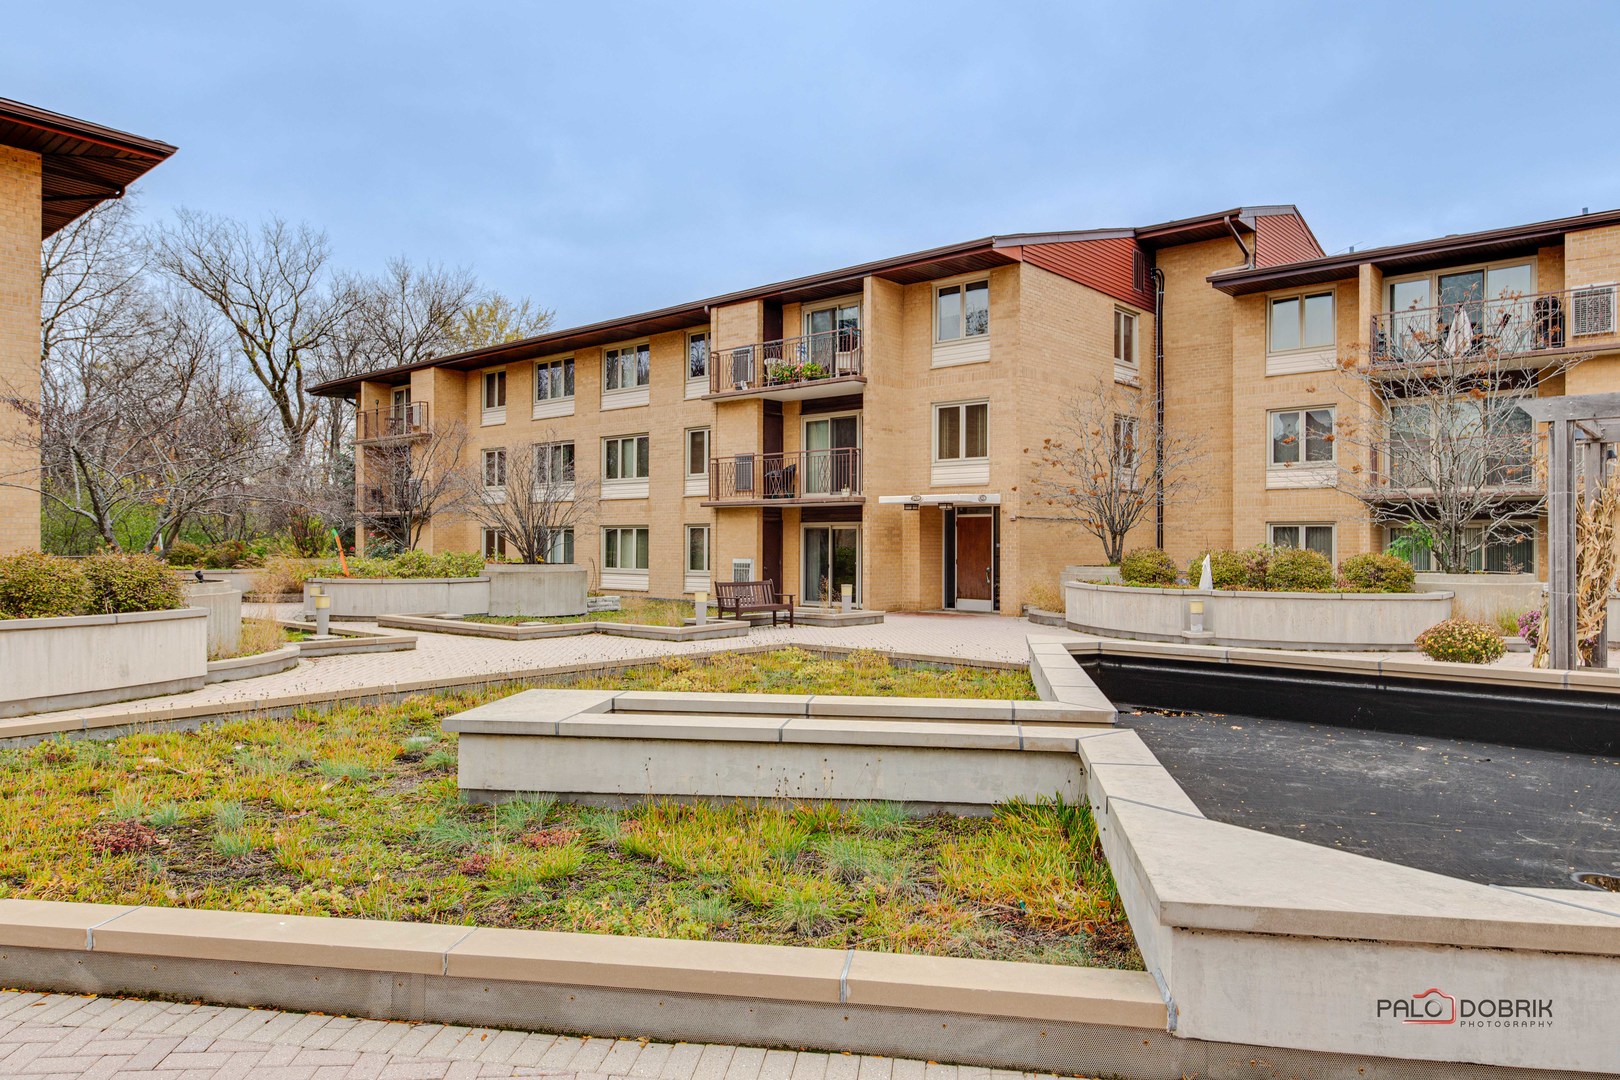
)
(789, 362)
(1508, 326)
(391, 499)
(802, 476)
(392, 422)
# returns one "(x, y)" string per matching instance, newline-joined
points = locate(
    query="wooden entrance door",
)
(975, 539)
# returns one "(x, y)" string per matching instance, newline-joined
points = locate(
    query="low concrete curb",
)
(446, 624)
(251, 667)
(346, 640)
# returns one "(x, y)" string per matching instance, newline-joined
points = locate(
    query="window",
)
(559, 546)
(697, 357)
(495, 468)
(1302, 322)
(494, 544)
(625, 458)
(1302, 437)
(962, 431)
(697, 549)
(697, 451)
(553, 380)
(624, 548)
(1124, 338)
(554, 463)
(494, 390)
(1127, 454)
(1317, 538)
(1489, 443)
(627, 368)
(962, 311)
(1509, 554)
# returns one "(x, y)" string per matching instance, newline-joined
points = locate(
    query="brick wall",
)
(19, 344)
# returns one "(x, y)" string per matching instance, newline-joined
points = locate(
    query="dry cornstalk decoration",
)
(1596, 562)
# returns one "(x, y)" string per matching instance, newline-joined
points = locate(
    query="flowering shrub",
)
(1377, 572)
(1147, 566)
(1530, 627)
(1461, 641)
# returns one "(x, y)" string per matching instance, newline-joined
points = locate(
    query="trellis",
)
(1584, 427)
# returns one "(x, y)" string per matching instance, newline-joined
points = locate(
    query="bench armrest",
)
(787, 599)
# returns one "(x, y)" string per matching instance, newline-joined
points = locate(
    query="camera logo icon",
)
(1433, 1006)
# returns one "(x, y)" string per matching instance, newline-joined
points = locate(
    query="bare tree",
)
(530, 495)
(1110, 464)
(404, 483)
(1431, 438)
(273, 287)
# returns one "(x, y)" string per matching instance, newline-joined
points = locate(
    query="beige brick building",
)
(52, 169)
(875, 426)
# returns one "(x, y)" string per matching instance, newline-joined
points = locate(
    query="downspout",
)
(1158, 408)
(1248, 256)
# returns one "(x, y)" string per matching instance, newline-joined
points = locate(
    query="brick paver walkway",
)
(69, 1037)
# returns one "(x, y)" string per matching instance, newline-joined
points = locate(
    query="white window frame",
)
(698, 385)
(965, 348)
(960, 287)
(624, 487)
(696, 579)
(697, 483)
(492, 414)
(494, 545)
(563, 539)
(962, 470)
(494, 456)
(1333, 534)
(1128, 361)
(544, 453)
(631, 578)
(554, 405)
(1301, 298)
(1303, 473)
(633, 394)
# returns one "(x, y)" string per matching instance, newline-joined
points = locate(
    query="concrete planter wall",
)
(1091, 573)
(223, 602)
(1481, 596)
(540, 590)
(366, 598)
(51, 664)
(1382, 622)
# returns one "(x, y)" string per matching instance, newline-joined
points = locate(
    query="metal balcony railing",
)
(392, 422)
(788, 362)
(804, 476)
(1507, 326)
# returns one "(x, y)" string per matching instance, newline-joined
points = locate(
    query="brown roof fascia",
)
(83, 130)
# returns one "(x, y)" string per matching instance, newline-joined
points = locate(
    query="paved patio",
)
(71, 1037)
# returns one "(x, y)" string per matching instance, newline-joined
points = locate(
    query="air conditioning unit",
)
(742, 569)
(1591, 310)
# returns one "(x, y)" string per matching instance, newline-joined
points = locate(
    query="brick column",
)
(19, 342)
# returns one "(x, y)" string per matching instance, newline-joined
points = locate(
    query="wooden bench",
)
(742, 598)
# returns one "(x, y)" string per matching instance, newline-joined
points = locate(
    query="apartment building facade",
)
(53, 168)
(870, 427)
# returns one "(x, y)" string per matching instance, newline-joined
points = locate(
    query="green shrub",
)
(409, 564)
(1461, 641)
(120, 583)
(460, 564)
(1298, 570)
(1377, 572)
(229, 555)
(185, 553)
(38, 586)
(1147, 566)
(1229, 569)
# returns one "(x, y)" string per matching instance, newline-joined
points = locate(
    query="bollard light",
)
(1195, 608)
(701, 599)
(847, 592)
(323, 613)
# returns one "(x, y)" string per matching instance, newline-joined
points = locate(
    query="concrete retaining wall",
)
(540, 590)
(1382, 622)
(223, 602)
(366, 598)
(50, 664)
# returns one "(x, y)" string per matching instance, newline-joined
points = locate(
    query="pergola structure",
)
(1588, 426)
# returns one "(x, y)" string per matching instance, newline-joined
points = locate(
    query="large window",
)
(624, 548)
(1124, 338)
(697, 549)
(962, 311)
(1511, 554)
(1461, 444)
(1317, 538)
(626, 368)
(1302, 322)
(554, 380)
(554, 463)
(559, 547)
(494, 390)
(697, 451)
(625, 458)
(494, 545)
(495, 468)
(962, 431)
(1127, 450)
(1302, 437)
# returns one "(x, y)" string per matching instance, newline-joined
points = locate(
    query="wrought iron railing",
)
(804, 475)
(392, 422)
(833, 354)
(1513, 324)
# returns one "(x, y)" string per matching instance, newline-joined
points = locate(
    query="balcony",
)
(392, 422)
(803, 478)
(791, 369)
(1510, 331)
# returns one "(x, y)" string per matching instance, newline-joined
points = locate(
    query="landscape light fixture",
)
(1195, 608)
(701, 600)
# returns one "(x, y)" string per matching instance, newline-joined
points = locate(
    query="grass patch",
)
(353, 812)
(259, 636)
(795, 671)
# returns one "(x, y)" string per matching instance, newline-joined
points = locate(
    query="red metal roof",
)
(82, 163)
(1107, 265)
(1283, 238)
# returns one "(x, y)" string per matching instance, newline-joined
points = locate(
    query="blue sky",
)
(606, 158)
